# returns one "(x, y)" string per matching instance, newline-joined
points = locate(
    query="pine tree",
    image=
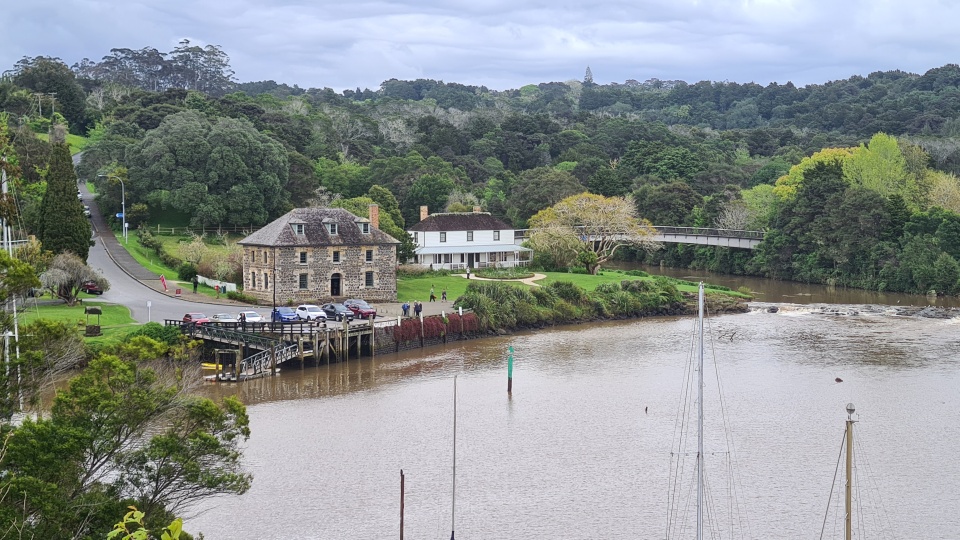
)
(588, 77)
(63, 227)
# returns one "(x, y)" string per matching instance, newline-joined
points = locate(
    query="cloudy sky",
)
(504, 43)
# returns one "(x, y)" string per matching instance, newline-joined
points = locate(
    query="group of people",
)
(433, 296)
(417, 308)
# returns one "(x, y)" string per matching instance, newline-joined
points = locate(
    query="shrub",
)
(240, 297)
(638, 273)
(407, 330)
(569, 291)
(169, 335)
(187, 271)
(433, 327)
(607, 288)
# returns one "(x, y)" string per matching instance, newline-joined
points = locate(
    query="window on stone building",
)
(266, 281)
(253, 279)
(298, 228)
(336, 256)
(365, 228)
(369, 257)
(253, 255)
(303, 257)
(369, 279)
(303, 281)
(332, 228)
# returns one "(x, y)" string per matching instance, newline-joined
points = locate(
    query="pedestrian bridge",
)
(704, 236)
(709, 236)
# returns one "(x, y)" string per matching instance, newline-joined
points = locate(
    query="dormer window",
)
(298, 228)
(469, 236)
(443, 237)
(332, 228)
(365, 228)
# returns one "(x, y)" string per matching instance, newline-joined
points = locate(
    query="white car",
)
(223, 317)
(252, 316)
(310, 312)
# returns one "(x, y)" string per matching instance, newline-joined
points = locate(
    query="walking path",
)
(532, 280)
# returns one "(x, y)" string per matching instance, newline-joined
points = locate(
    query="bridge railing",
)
(524, 234)
(708, 231)
(260, 362)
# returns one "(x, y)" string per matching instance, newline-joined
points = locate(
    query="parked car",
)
(360, 308)
(310, 312)
(223, 317)
(251, 316)
(196, 318)
(283, 314)
(338, 311)
(91, 287)
(86, 210)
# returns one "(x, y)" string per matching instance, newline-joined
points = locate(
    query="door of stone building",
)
(335, 285)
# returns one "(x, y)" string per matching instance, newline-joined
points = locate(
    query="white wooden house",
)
(456, 241)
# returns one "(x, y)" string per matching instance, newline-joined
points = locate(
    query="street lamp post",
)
(123, 203)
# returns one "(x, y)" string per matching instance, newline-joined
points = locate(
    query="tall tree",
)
(591, 224)
(64, 227)
(52, 78)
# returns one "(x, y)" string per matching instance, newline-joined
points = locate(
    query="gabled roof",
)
(463, 221)
(280, 232)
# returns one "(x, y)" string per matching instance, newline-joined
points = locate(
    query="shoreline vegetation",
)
(503, 306)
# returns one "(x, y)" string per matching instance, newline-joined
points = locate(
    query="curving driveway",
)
(125, 275)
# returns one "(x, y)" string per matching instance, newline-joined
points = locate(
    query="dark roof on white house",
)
(461, 221)
(280, 232)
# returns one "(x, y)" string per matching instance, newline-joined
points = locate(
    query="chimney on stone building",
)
(476, 209)
(375, 216)
(424, 214)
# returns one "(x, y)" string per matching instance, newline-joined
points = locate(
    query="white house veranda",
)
(458, 258)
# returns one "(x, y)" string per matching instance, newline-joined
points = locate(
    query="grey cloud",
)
(505, 44)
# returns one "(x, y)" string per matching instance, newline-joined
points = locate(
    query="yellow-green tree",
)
(880, 166)
(787, 185)
(589, 223)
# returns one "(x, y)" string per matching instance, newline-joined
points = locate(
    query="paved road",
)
(133, 293)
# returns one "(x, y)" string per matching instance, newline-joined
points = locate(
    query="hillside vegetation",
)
(854, 180)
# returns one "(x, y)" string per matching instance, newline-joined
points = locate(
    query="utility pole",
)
(53, 104)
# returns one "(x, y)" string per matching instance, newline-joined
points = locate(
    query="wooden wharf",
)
(252, 350)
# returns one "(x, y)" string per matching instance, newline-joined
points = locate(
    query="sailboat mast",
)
(453, 498)
(849, 495)
(700, 421)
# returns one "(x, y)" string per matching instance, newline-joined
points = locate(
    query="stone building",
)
(316, 255)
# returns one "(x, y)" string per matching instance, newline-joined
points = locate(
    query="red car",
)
(361, 308)
(197, 318)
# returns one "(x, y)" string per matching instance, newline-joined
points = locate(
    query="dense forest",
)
(855, 180)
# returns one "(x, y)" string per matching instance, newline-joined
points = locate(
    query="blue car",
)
(283, 315)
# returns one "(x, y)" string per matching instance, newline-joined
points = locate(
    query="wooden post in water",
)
(300, 351)
(273, 360)
(510, 370)
(401, 504)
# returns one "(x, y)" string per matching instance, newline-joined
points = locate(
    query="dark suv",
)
(360, 308)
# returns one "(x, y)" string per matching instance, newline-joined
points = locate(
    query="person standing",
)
(406, 309)
(443, 295)
(196, 282)
(417, 308)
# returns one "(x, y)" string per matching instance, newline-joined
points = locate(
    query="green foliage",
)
(186, 271)
(134, 520)
(119, 434)
(169, 335)
(70, 231)
(241, 297)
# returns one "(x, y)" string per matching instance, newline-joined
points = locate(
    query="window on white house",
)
(336, 256)
(369, 279)
(496, 236)
(369, 257)
(332, 228)
(303, 281)
(447, 258)
(365, 228)
(303, 257)
(443, 237)
(469, 236)
(416, 237)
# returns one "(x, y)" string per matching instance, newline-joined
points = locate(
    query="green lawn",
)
(115, 321)
(76, 142)
(410, 288)
(149, 260)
